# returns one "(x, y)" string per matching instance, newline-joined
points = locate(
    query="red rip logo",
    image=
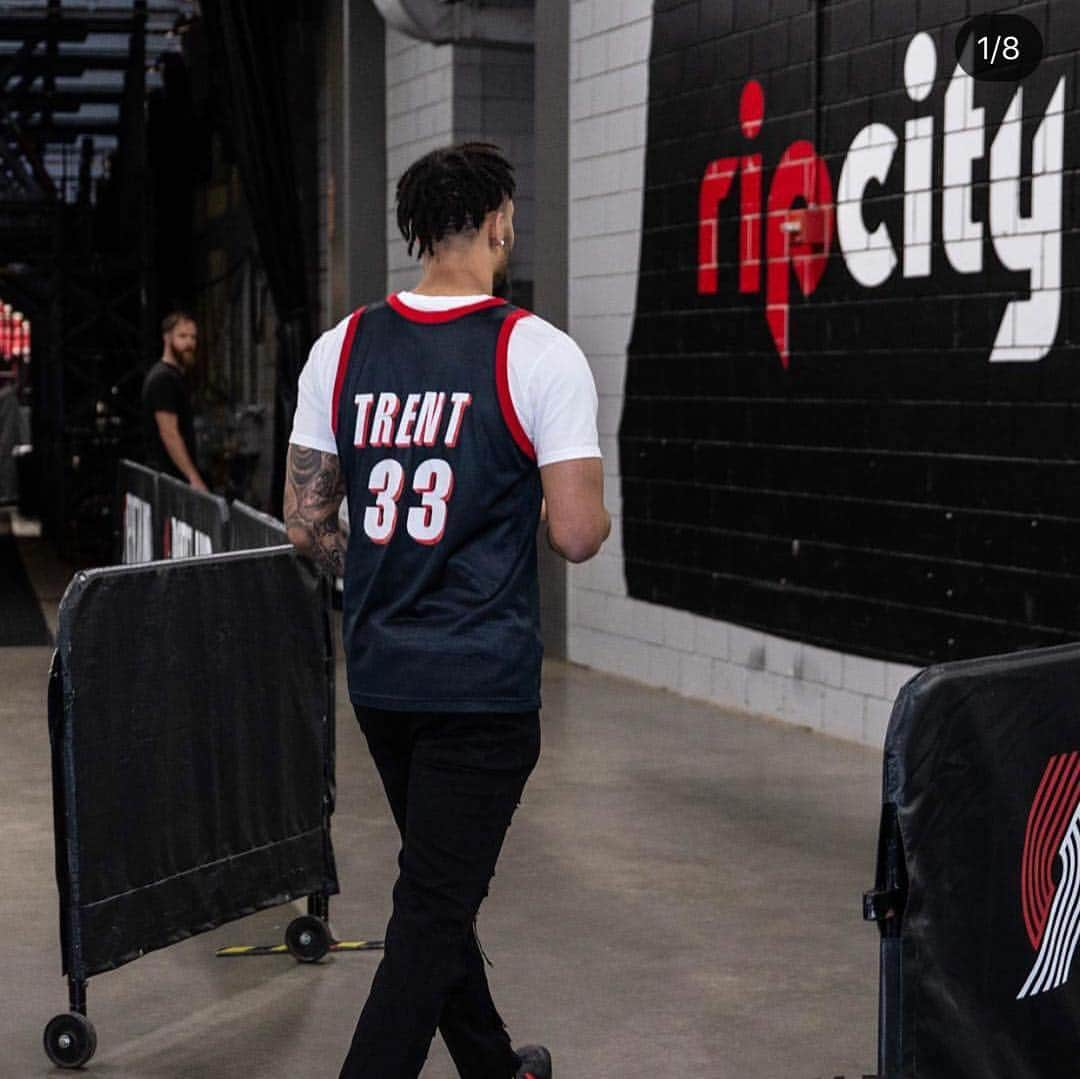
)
(801, 216)
(800, 175)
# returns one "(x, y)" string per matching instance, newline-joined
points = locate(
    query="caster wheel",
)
(70, 1040)
(308, 938)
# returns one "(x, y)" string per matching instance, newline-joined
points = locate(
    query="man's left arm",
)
(314, 488)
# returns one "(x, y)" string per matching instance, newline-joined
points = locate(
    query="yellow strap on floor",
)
(237, 950)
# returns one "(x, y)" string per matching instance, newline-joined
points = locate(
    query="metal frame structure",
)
(88, 949)
(74, 211)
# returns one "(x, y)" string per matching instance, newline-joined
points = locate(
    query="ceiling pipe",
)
(466, 22)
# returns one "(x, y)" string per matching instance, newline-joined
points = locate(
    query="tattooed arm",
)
(314, 488)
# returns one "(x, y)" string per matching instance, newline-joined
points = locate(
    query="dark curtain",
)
(176, 146)
(265, 64)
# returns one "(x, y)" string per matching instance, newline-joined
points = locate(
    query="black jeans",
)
(453, 781)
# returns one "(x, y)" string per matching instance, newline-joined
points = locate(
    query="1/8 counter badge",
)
(999, 48)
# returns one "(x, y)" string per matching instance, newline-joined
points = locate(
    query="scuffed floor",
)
(679, 895)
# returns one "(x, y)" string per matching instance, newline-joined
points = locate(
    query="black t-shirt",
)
(164, 391)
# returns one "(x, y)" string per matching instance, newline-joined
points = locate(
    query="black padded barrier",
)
(250, 528)
(978, 882)
(139, 535)
(191, 522)
(191, 723)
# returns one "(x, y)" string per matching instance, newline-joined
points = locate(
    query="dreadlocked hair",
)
(451, 190)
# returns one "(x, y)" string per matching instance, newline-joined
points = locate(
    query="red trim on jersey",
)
(414, 314)
(342, 365)
(502, 383)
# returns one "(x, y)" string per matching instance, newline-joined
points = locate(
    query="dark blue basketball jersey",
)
(441, 604)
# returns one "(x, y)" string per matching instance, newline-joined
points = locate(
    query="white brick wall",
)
(419, 117)
(845, 696)
(439, 94)
(493, 101)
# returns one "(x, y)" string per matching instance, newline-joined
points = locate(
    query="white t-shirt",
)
(551, 386)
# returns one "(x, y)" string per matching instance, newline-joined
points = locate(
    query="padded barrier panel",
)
(249, 528)
(191, 720)
(191, 522)
(140, 538)
(982, 766)
(10, 423)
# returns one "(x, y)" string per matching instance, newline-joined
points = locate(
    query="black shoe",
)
(535, 1062)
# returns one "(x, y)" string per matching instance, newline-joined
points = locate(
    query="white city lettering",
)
(920, 67)
(869, 255)
(1031, 243)
(964, 142)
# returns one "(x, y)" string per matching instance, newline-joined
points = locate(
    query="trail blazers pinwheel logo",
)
(1052, 910)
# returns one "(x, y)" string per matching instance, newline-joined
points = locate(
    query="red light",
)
(14, 334)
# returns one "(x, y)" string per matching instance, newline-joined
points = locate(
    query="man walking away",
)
(445, 415)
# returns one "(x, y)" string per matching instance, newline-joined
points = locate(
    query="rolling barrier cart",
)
(191, 723)
(977, 891)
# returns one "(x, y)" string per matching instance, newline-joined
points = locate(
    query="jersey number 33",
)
(433, 481)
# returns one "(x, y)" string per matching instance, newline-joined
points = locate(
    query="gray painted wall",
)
(362, 188)
(551, 96)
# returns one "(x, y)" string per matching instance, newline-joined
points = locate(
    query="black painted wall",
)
(884, 489)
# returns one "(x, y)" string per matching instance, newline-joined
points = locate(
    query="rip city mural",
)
(852, 410)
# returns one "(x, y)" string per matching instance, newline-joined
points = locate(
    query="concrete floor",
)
(679, 896)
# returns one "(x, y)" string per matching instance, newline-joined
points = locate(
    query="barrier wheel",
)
(308, 938)
(70, 1040)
